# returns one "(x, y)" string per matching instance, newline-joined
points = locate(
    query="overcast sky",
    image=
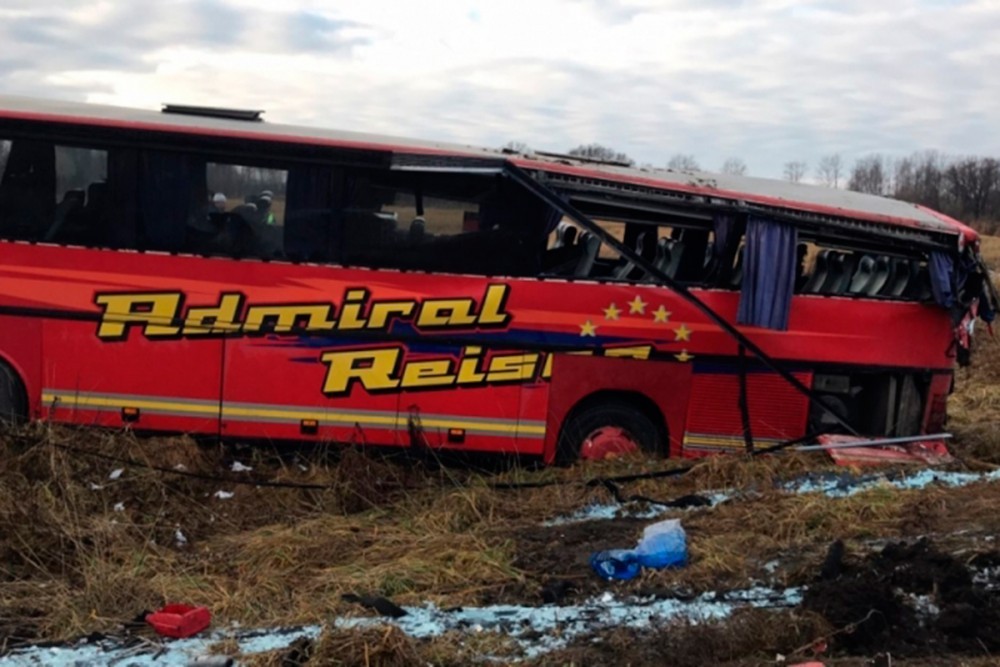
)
(768, 81)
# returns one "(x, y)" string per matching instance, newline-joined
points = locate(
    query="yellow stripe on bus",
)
(211, 409)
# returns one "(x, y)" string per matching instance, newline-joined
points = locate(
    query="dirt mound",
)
(910, 599)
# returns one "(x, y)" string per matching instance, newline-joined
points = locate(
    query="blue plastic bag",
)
(663, 544)
(616, 563)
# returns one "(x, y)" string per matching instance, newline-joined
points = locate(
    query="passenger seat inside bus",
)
(820, 273)
(901, 272)
(625, 269)
(590, 246)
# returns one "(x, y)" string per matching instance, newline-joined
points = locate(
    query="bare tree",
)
(829, 170)
(734, 166)
(516, 147)
(599, 152)
(870, 175)
(972, 182)
(682, 162)
(795, 170)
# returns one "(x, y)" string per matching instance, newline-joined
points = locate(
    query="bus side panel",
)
(574, 378)
(475, 418)
(273, 389)
(777, 410)
(21, 349)
(832, 329)
(174, 385)
(83, 378)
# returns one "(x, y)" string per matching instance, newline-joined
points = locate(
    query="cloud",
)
(768, 81)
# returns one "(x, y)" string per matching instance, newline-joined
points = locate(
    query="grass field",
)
(85, 549)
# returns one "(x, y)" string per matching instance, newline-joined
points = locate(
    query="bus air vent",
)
(214, 112)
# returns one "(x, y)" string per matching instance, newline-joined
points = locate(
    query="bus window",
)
(81, 197)
(27, 190)
(451, 224)
(189, 204)
(248, 204)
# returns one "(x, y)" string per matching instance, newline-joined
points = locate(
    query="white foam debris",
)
(535, 630)
(223, 495)
(636, 510)
(180, 538)
(119, 507)
(239, 467)
(116, 473)
(845, 485)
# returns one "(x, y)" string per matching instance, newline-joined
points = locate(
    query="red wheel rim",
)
(607, 442)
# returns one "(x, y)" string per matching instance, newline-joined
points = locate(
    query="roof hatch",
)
(214, 112)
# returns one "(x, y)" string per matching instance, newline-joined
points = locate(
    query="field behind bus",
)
(95, 528)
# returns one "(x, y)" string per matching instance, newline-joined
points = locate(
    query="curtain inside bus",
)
(726, 235)
(173, 191)
(769, 271)
(309, 216)
(942, 270)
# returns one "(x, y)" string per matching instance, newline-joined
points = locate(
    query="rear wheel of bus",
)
(609, 428)
(13, 408)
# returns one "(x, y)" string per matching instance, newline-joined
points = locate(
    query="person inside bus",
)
(219, 202)
(264, 212)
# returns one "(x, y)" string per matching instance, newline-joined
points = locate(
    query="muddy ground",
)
(96, 528)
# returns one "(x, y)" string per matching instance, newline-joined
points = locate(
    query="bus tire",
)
(608, 428)
(13, 405)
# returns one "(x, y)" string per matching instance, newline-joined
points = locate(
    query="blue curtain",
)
(723, 226)
(768, 274)
(942, 270)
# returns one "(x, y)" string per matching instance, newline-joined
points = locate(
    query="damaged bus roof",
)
(767, 193)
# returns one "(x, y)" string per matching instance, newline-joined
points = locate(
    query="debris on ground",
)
(663, 544)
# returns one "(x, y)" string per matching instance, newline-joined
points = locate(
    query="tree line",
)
(964, 187)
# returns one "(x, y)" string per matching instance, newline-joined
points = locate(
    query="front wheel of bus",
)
(609, 429)
(12, 402)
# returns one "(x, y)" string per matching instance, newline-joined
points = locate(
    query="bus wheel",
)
(608, 429)
(12, 403)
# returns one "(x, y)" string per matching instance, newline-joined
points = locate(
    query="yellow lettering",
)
(285, 318)
(446, 312)
(512, 368)
(215, 320)
(492, 313)
(156, 312)
(383, 310)
(636, 352)
(468, 368)
(547, 368)
(350, 312)
(374, 369)
(430, 373)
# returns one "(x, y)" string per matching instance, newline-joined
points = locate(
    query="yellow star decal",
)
(682, 333)
(684, 356)
(612, 312)
(661, 314)
(637, 305)
(588, 328)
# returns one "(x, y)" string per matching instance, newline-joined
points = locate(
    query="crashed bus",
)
(198, 270)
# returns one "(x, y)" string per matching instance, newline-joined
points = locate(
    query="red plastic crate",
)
(179, 620)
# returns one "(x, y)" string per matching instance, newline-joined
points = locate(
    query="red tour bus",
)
(197, 270)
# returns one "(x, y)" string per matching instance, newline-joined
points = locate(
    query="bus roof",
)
(823, 201)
